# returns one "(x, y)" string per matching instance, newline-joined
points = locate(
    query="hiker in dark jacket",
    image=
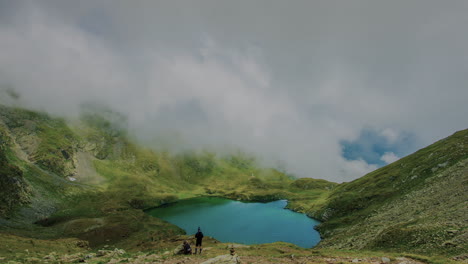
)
(187, 249)
(199, 237)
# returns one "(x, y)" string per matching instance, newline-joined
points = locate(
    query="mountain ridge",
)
(88, 179)
(418, 198)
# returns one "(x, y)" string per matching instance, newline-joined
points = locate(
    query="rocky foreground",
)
(120, 256)
(72, 251)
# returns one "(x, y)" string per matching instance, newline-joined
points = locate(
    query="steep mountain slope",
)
(89, 181)
(13, 189)
(87, 178)
(417, 204)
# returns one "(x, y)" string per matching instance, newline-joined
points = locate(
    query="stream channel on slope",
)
(241, 222)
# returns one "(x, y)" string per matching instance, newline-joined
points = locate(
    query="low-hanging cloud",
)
(289, 91)
(389, 157)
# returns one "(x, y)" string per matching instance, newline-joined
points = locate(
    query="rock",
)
(460, 257)
(178, 250)
(71, 258)
(355, 260)
(33, 260)
(449, 244)
(223, 259)
(102, 253)
(82, 244)
(114, 253)
(152, 257)
(166, 253)
(50, 257)
(385, 260)
(119, 251)
(237, 246)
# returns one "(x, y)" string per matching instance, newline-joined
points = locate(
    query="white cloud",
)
(287, 83)
(358, 167)
(389, 157)
(390, 134)
(55, 66)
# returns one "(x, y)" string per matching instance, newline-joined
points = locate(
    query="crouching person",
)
(183, 249)
(187, 248)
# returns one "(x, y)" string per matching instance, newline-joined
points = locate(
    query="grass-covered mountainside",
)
(418, 203)
(77, 186)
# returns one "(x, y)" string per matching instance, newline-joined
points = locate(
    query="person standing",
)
(198, 244)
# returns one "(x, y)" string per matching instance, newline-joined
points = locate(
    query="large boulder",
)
(179, 250)
(224, 259)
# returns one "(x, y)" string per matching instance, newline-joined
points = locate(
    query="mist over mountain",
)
(302, 85)
(83, 186)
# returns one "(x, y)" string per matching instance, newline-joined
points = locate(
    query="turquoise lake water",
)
(241, 222)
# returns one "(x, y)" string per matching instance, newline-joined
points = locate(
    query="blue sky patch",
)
(372, 144)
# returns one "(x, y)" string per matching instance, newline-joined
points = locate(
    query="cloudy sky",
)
(328, 89)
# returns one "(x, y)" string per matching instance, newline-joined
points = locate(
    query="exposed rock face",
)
(47, 142)
(85, 171)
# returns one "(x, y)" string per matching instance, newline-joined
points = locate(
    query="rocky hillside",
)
(69, 251)
(86, 182)
(417, 204)
(14, 191)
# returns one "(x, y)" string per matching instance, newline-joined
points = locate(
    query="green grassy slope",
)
(14, 191)
(416, 204)
(85, 180)
(88, 179)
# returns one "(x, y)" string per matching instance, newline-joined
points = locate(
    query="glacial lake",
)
(241, 222)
